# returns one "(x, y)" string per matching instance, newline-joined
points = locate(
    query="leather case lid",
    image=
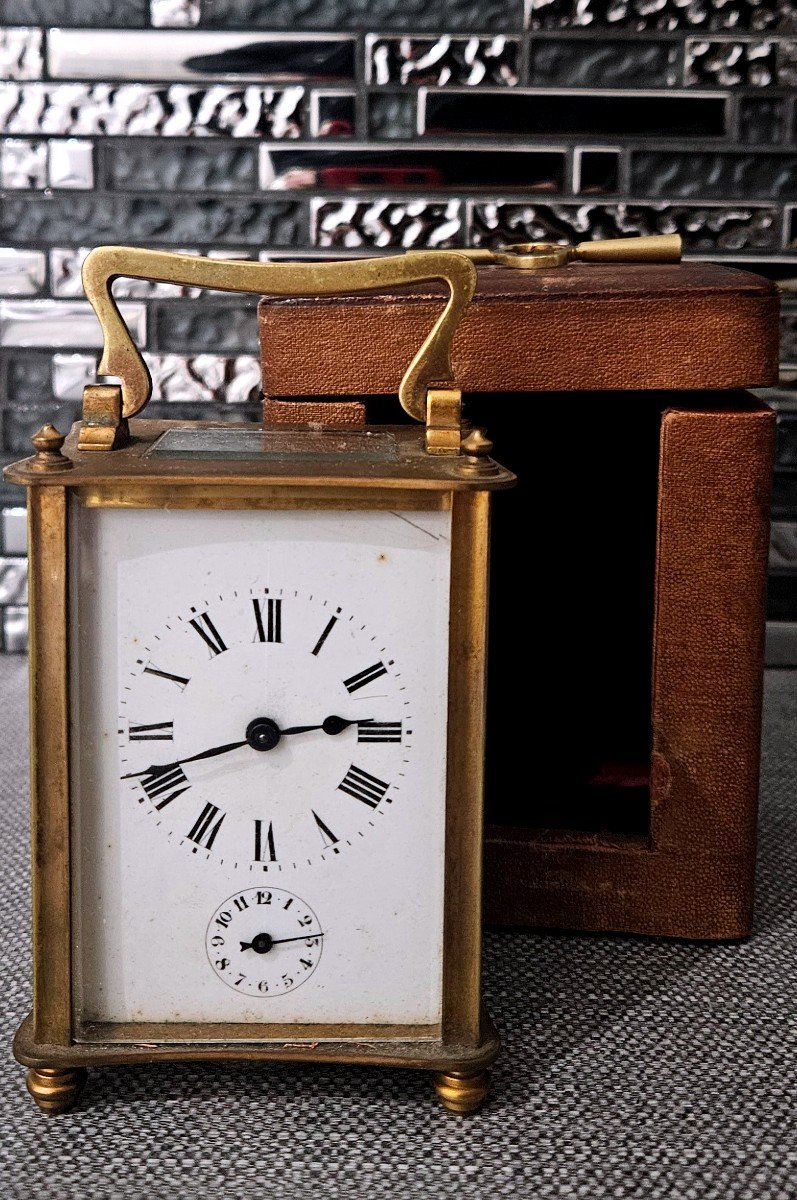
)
(584, 327)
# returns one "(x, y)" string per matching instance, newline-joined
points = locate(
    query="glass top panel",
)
(273, 444)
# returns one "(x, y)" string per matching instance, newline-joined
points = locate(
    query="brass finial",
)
(477, 444)
(475, 454)
(48, 442)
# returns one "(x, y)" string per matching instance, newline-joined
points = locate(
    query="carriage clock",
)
(257, 697)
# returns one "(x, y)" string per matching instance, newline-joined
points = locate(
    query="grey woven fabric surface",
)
(631, 1068)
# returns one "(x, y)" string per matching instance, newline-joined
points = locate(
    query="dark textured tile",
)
(393, 114)
(762, 119)
(186, 327)
(788, 336)
(714, 176)
(10, 493)
(204, 411)
(131, 14)
(786, 444)
(413, 15)
(58, 220)
(599, 63)
(396, 169)
(664, 15)
(492, 114)
(492, 16)
(28, 377)
(787, 63)
(710, 228)
(388, 224)
(730, 63)
(443, 61)
(23, 420)
(318, 14)
(159, 166)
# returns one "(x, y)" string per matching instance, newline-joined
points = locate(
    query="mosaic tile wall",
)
(328, 127)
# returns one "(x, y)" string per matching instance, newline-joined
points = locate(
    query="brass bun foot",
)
(461, 1093)
(55, 1089)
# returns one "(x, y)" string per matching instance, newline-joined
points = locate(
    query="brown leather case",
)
(630, 804)
(585, 327)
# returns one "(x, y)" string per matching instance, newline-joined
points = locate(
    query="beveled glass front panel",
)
(293, 879)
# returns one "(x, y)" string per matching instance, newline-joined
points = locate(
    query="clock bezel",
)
(48, 1038)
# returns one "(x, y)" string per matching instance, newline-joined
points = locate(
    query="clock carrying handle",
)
(427, 391)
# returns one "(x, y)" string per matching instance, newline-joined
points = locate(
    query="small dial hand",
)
(156, 770)
(261, 943)
(301, 938)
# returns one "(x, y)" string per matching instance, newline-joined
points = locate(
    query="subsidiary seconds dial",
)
(264, 728)
(264, 942)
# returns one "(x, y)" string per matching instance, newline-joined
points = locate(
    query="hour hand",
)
(335, 725)
(332, 725)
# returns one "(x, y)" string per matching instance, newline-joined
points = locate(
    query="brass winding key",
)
(540, 256)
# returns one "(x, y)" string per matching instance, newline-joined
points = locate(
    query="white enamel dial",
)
(259, 704)
(265, 726)
(264, 942)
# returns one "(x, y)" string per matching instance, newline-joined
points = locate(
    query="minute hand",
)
(191, 758)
